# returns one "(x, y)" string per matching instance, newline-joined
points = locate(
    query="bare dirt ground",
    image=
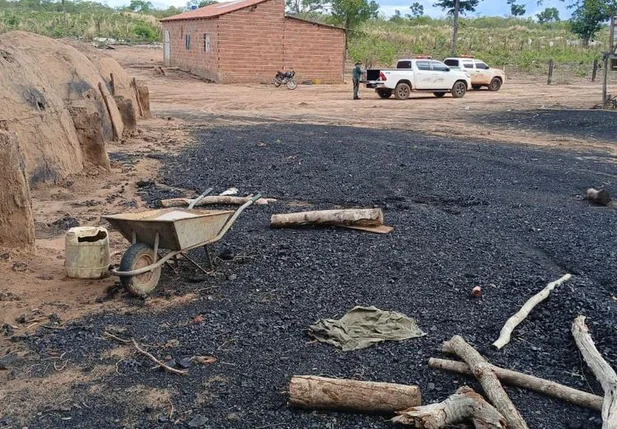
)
(36, 286)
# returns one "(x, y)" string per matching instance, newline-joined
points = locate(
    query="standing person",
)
(356, 76)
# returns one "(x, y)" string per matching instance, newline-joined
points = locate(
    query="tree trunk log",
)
(601, 369)
(463, 406)
(312, 392)
(214, 199)
(355, 217)
(518, 379)
(519, 316)
(490, 383)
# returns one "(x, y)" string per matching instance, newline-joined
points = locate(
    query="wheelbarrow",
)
(176, 230)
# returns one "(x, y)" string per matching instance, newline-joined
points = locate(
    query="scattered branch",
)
(463, 406)
(490, 383)
(158, 362)
(601, 369)
(145, 353)
(514, 321)
(113, 337)
(518, 379)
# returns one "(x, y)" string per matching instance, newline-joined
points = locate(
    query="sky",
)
(486, 8)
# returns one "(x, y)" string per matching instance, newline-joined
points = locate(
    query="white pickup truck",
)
(424, 75)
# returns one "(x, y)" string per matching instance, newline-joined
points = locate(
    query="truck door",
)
(469, 68)
(483, 73)
(423, 75)
(441, 75)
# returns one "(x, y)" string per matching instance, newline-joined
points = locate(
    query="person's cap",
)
(358, 63)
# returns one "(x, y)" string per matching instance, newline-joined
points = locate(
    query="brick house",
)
(250, 40)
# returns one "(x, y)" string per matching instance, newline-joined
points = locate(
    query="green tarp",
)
(364, 326)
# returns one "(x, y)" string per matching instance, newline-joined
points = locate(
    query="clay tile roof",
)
(214, 10)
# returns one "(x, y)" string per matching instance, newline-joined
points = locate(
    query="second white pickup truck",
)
(424, 75)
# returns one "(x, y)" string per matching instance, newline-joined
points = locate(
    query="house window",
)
(187, 42)
(207, 46)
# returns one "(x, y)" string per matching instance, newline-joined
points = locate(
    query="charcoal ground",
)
(507, 218)
(589, 124)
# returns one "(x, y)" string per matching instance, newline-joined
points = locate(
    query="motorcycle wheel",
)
(291, 84)
(277, 83)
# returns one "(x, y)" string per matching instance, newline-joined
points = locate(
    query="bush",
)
(146, 32)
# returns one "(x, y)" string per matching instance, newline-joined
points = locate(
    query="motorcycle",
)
(285, 78)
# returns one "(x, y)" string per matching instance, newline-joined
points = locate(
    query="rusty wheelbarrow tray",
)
(176, 230)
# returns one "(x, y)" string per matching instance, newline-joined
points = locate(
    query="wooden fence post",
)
(551, 67)
(594, 71)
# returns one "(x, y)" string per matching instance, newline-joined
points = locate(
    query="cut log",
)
(514, 321)
(518, 379)
(311, 392)
(463, 406)
(214, 199)
(488, 379)
(16, 219)
(601, 197)
(355, 217)
(601, 369)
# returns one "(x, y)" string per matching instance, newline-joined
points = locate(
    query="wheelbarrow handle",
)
(199, 198)
(233, 218)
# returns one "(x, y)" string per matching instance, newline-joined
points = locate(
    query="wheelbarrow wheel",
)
(137, 256)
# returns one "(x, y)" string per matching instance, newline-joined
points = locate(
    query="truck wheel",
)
(439, 94)
(495, 84)
(459, 89)
(402, 91)
(384, 93)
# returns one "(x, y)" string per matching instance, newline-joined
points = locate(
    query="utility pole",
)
(457, 6)
(607, 60)
(66, 24)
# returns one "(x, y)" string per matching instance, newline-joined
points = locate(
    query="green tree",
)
(454, 8)
(550, 14)
(464, 6)
(416, 9)
(589, 15)
(299, 7)
(397, 17)
(351, 13)
(140, 6)
(516, 9)
(199, 3)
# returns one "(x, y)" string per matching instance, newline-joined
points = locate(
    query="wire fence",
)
(561, 73)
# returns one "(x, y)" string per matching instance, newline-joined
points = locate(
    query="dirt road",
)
(179, 94)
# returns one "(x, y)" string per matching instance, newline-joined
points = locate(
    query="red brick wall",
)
(194, 60)
(314, 51)
(251, 43)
